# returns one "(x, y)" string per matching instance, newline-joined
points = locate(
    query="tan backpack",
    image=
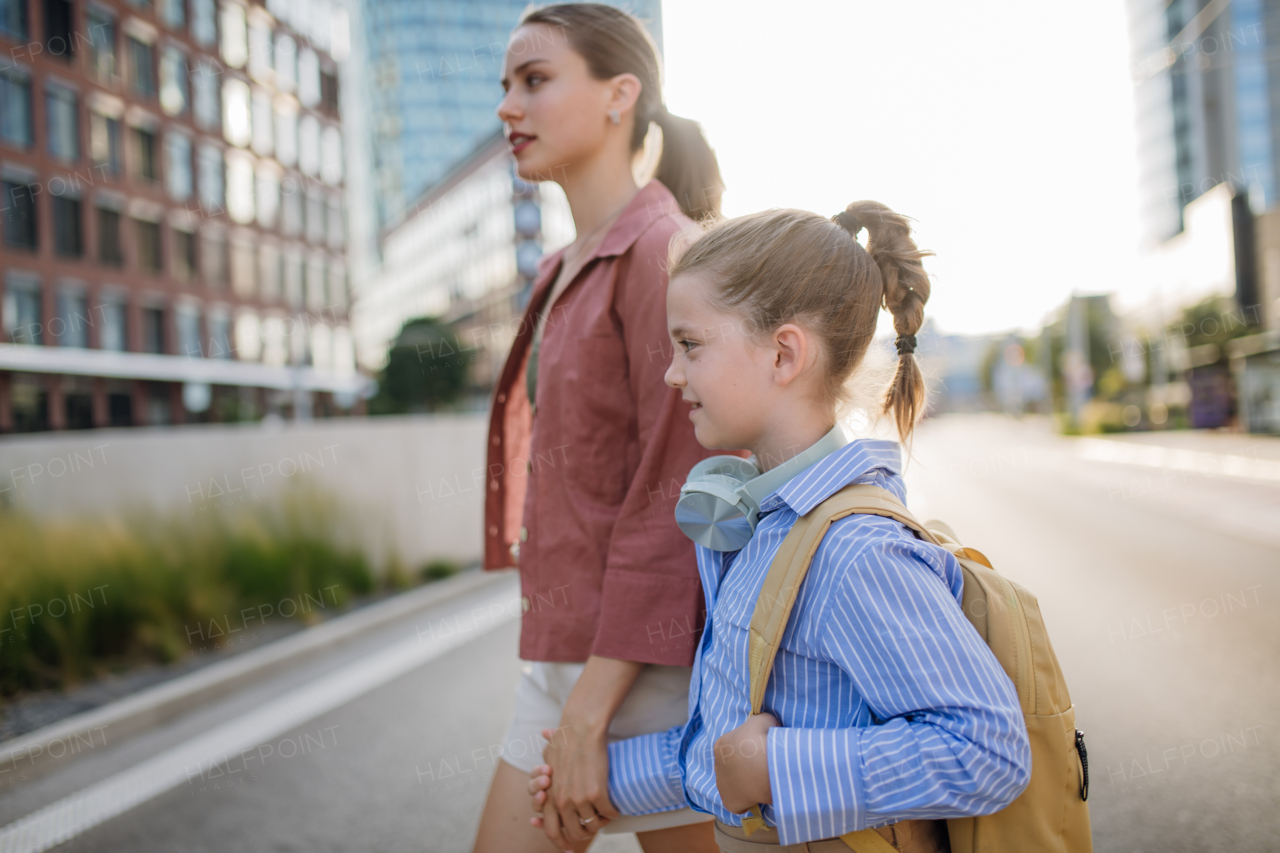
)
(1051, 815)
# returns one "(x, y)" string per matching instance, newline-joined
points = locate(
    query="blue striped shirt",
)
(892, 707)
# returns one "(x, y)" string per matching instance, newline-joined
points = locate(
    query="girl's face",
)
(556, 113)
(718, 367)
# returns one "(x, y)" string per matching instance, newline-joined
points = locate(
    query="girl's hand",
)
(539, 782)
(742, 764)
(579, 789)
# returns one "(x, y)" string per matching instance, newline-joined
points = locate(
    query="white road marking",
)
(65, 819)
(1179, 459)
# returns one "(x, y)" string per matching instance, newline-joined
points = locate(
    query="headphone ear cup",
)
(736, 467)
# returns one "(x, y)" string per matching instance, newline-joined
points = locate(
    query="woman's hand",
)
(579, 788)
(742, 764)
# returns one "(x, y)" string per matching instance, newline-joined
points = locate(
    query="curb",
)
(154, 705)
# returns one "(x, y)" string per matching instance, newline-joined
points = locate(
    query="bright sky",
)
(1006, 132)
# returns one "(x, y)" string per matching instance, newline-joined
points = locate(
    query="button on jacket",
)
(581, 495)
(892, 707)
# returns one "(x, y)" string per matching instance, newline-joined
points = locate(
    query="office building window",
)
(219, 336)
(268, 197)
(315, 217)
(286, 134)
(269, 272)
(184, 256)
(263, 119)
(144, 154)
(102, 43)
(20, 217)
(210, 178)
(205, 99)
(293, 279)
(174, 13)
(142, 70)
(173, 81)
(64, 129)
(68, 232)
(13, 19)
(57, 28)
(153, 330)
(243, 269)
(260, 52)
(178, 166)
(104, 143)
(329, 91)
(337, 227)
(290, 207)
(286, 63)
(72, 322)
(235, 38)
(240, 189)
(119, 404)
(236, 122)
(150, 256)
(331, 156)
(309, 146)
(315, 283)
(337, 286)
(213, 256)
(110, 247)
(112, 334)
(204, 25)
(188, 322)
(15, 107)
(308, 78)
(22, 315)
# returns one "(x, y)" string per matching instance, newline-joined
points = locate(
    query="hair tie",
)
(905, 344)
(848, 222)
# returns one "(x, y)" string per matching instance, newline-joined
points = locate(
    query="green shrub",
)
(81, 597)
(439, 569)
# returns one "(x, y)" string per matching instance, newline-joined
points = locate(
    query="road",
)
(1157, 584)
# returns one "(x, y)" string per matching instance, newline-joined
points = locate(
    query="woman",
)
(587, 445)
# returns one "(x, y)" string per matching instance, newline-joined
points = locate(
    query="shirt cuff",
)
(644, 773)
(815, 776)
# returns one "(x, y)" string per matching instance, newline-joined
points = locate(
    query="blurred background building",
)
(174, 236)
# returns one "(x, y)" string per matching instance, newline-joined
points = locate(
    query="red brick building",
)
(173, 221)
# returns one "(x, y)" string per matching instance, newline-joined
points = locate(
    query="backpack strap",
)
(778, 596)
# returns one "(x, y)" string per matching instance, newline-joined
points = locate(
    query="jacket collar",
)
(653, 202)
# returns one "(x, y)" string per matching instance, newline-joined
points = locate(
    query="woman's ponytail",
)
(905, 291)
(614, 42)
(688, 166)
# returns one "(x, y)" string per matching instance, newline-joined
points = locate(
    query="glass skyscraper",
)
(433, 81)
(1207, 104)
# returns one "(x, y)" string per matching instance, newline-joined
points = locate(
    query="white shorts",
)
(658, 700)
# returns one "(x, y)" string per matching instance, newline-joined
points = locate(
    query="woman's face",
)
(556, 113)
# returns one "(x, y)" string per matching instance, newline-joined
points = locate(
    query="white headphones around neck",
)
(719, 505)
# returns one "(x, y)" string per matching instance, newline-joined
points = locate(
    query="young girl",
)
(884, 704)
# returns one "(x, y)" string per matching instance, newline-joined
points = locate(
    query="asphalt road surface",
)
(1157, 583)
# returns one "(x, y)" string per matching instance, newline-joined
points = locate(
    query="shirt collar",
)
(653, 202)
(859, 461)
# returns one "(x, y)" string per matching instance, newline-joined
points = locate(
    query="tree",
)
(426, 369)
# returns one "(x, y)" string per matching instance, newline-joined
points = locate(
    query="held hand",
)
(742, 764)
(539, 782)
(579, 787)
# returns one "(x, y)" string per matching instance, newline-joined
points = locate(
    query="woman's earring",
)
(615, 117)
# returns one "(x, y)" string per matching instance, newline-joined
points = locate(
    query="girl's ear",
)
(624, 91)
(793, 352)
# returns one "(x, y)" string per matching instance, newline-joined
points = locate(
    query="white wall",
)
(415, 483)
